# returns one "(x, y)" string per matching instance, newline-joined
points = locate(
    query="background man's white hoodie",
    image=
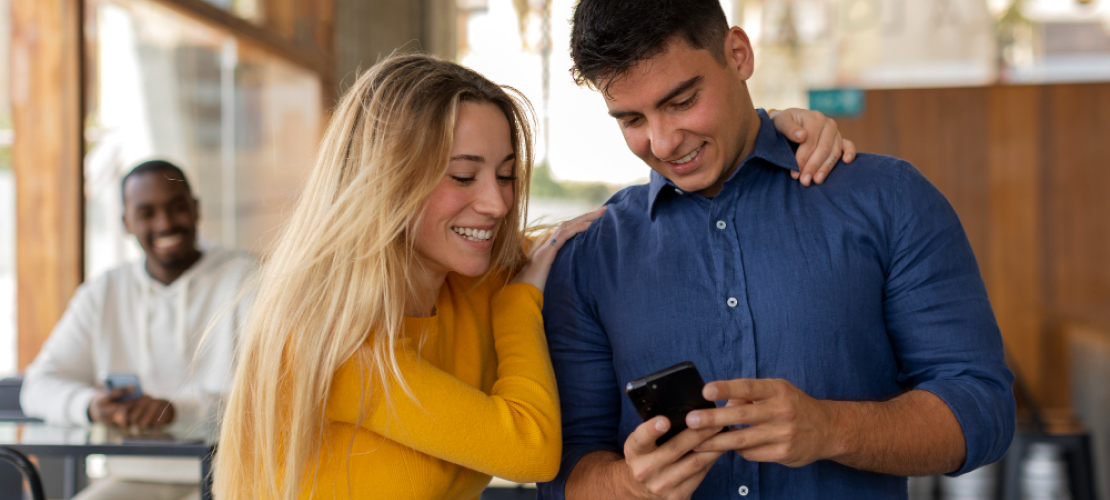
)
(126, 322)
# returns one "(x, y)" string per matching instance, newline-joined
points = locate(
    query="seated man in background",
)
(146, 319)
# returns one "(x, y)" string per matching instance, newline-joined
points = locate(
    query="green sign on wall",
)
(837, 102)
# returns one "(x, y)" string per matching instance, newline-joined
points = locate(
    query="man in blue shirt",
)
(845, 327)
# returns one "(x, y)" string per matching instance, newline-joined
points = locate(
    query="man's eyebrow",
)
(679, 89)
(682, 87)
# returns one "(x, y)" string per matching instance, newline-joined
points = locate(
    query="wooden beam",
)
(315, 59)
(47, 113)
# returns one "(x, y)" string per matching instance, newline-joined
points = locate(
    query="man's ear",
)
(196, 208)
(739, 56)
(126, 226)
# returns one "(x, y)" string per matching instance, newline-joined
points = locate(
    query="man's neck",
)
(168, 274)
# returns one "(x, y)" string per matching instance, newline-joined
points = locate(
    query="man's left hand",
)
(783, 424)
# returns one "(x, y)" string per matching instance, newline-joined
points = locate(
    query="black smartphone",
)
(672, 392)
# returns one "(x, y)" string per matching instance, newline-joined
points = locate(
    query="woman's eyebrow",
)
(479, 159)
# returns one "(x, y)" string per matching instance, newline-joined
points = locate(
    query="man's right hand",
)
(671, 471)
(106, 408)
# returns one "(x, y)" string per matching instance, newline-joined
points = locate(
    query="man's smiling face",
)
(162, 214)
(685, 114)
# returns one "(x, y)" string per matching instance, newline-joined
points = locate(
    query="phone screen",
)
(119, 380)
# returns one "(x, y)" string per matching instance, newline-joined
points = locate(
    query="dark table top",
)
(45, 439)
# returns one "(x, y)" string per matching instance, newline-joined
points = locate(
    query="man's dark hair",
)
(171, 171)
(609, 36)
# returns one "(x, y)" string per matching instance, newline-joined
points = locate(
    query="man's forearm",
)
(597, 475)
(911, 435)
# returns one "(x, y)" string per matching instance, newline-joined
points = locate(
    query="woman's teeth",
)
(473, 234)
(688, 157)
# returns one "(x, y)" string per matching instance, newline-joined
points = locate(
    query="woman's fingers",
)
(535, 272)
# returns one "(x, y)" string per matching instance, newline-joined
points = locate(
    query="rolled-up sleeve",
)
(583, 362)
(940, 320)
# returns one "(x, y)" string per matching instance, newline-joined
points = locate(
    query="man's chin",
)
(177, 260)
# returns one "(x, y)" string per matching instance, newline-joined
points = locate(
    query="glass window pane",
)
(241, 123)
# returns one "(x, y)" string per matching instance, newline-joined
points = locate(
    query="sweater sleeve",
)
(59, 385)
(514, 432)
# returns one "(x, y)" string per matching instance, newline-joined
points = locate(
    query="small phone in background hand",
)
(114, 381)
(672, 392)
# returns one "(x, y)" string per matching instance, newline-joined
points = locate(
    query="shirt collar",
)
(770, 146)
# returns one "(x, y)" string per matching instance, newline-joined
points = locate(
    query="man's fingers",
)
(150, 414)
(725, 416)
(117, 414)
(748, 389)
(642, 440)
(135, 409)
(692, 465)
(737, 439)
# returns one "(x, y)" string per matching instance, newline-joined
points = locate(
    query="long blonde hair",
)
(344, 264)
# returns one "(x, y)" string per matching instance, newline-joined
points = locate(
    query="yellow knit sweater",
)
(486, 403)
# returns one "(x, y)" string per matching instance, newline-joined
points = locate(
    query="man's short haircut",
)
(171, 171)
(609, 36)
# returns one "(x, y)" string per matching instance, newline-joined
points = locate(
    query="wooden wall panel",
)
(1024, 167)
(1012, 264)
(1077, 160)
(46, 159)
(1077, 239)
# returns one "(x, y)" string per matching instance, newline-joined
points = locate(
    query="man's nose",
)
(665, 140)
(161, 221)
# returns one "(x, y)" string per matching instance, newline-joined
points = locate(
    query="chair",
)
(10, 409)
(27, 469)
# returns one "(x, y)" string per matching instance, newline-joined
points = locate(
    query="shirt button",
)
(721, 224)
(678, 191)
(743, 491)
(731, 302)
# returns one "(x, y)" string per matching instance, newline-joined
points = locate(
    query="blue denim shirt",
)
(862, 288)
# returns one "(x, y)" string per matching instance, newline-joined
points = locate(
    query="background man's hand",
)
(785, 425)
(144, 412)
(149, 413)
(819, 142)
(670, 471)
(105, 406)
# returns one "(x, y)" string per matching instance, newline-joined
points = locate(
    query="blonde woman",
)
(396, 348)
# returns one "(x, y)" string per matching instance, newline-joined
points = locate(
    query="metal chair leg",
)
(27, 468)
